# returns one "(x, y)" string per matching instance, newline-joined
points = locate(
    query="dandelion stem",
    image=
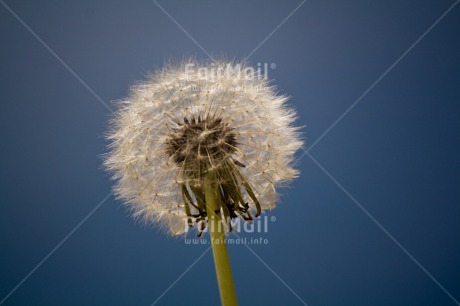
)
(219, 248)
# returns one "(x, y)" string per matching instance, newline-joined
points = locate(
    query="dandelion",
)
(200, 142)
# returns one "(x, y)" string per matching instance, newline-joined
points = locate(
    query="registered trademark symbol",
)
(273, 218)
(273, 66)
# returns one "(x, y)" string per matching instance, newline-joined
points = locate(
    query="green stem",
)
(219, 248)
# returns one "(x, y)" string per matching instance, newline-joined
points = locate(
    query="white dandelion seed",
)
(181, 122)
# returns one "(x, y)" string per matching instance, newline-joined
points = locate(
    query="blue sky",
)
(373, 219)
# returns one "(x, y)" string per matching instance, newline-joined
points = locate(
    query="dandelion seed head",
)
(180, 122)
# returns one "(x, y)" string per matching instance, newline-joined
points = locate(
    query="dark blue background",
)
(396, 152)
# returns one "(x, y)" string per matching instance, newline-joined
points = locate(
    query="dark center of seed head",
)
(201, 142)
